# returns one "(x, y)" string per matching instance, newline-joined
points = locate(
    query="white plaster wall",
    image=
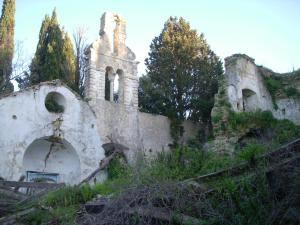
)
(288, 108)
(241, 73)
(24, 118)
(63, 159)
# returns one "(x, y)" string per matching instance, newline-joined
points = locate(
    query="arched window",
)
(108, 83)
(116, 88)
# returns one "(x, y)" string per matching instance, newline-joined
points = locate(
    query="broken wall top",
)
(112, 39)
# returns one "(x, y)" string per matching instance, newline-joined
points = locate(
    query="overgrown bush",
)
(182, 163)
(292, 92)
(117, 168)
(251, 152)
(282, 130)
(63, 203)
(244, 120)
(69, 196)
(244, 202)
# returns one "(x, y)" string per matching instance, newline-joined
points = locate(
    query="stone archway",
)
(250, 100)
(48, 157)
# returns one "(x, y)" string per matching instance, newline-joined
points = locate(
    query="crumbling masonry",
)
(66, 145)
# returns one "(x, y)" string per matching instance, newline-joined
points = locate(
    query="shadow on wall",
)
(250, 100)
(49, 156)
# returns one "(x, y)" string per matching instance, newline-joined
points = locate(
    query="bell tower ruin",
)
(112, 69)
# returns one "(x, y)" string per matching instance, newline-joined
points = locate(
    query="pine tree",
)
(54, 57)
(7, 23)
(182, 75)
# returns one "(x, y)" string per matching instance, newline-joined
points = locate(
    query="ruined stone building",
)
(247, 91)
(66, 145)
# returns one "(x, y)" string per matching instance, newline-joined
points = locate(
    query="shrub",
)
(291, 92)
(285, 130)
(69, 196)
(117, 169)
(250, 119)
(216, 118)
(251, 152)
(273, 84)
(60, 215)
(281, 131)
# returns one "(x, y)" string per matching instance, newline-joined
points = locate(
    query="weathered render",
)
(67, 146)
(140, 132)
(35, 139)
(246, 89)
(110, 62)
(111, 88)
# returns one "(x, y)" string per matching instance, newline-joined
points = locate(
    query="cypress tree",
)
(7, 23)
(54, 57)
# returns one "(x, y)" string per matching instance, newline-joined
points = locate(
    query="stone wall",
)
(140, 132)
(246, 89)
(108, 57)
(34, 139)
(120, 119)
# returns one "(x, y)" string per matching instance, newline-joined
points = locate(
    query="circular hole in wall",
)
(14, 117)
(55, 102)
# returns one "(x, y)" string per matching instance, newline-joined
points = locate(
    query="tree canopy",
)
(54, 57)
(182, 75)
(7, 24)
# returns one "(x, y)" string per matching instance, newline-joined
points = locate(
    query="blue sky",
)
(267, 30)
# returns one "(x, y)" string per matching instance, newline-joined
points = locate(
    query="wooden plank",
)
(18, 184)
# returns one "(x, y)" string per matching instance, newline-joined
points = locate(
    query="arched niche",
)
(50, 155)
(250, 100)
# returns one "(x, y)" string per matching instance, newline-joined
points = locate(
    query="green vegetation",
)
(251, 152)
(182, 76)
(283, 85)
(7, 28)
(117, 169)
(282, 130)
(181, 81)
(292, 92)
(63, 205)
(54, 57)
(182, 164)
(52, 105)
(246, 200)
